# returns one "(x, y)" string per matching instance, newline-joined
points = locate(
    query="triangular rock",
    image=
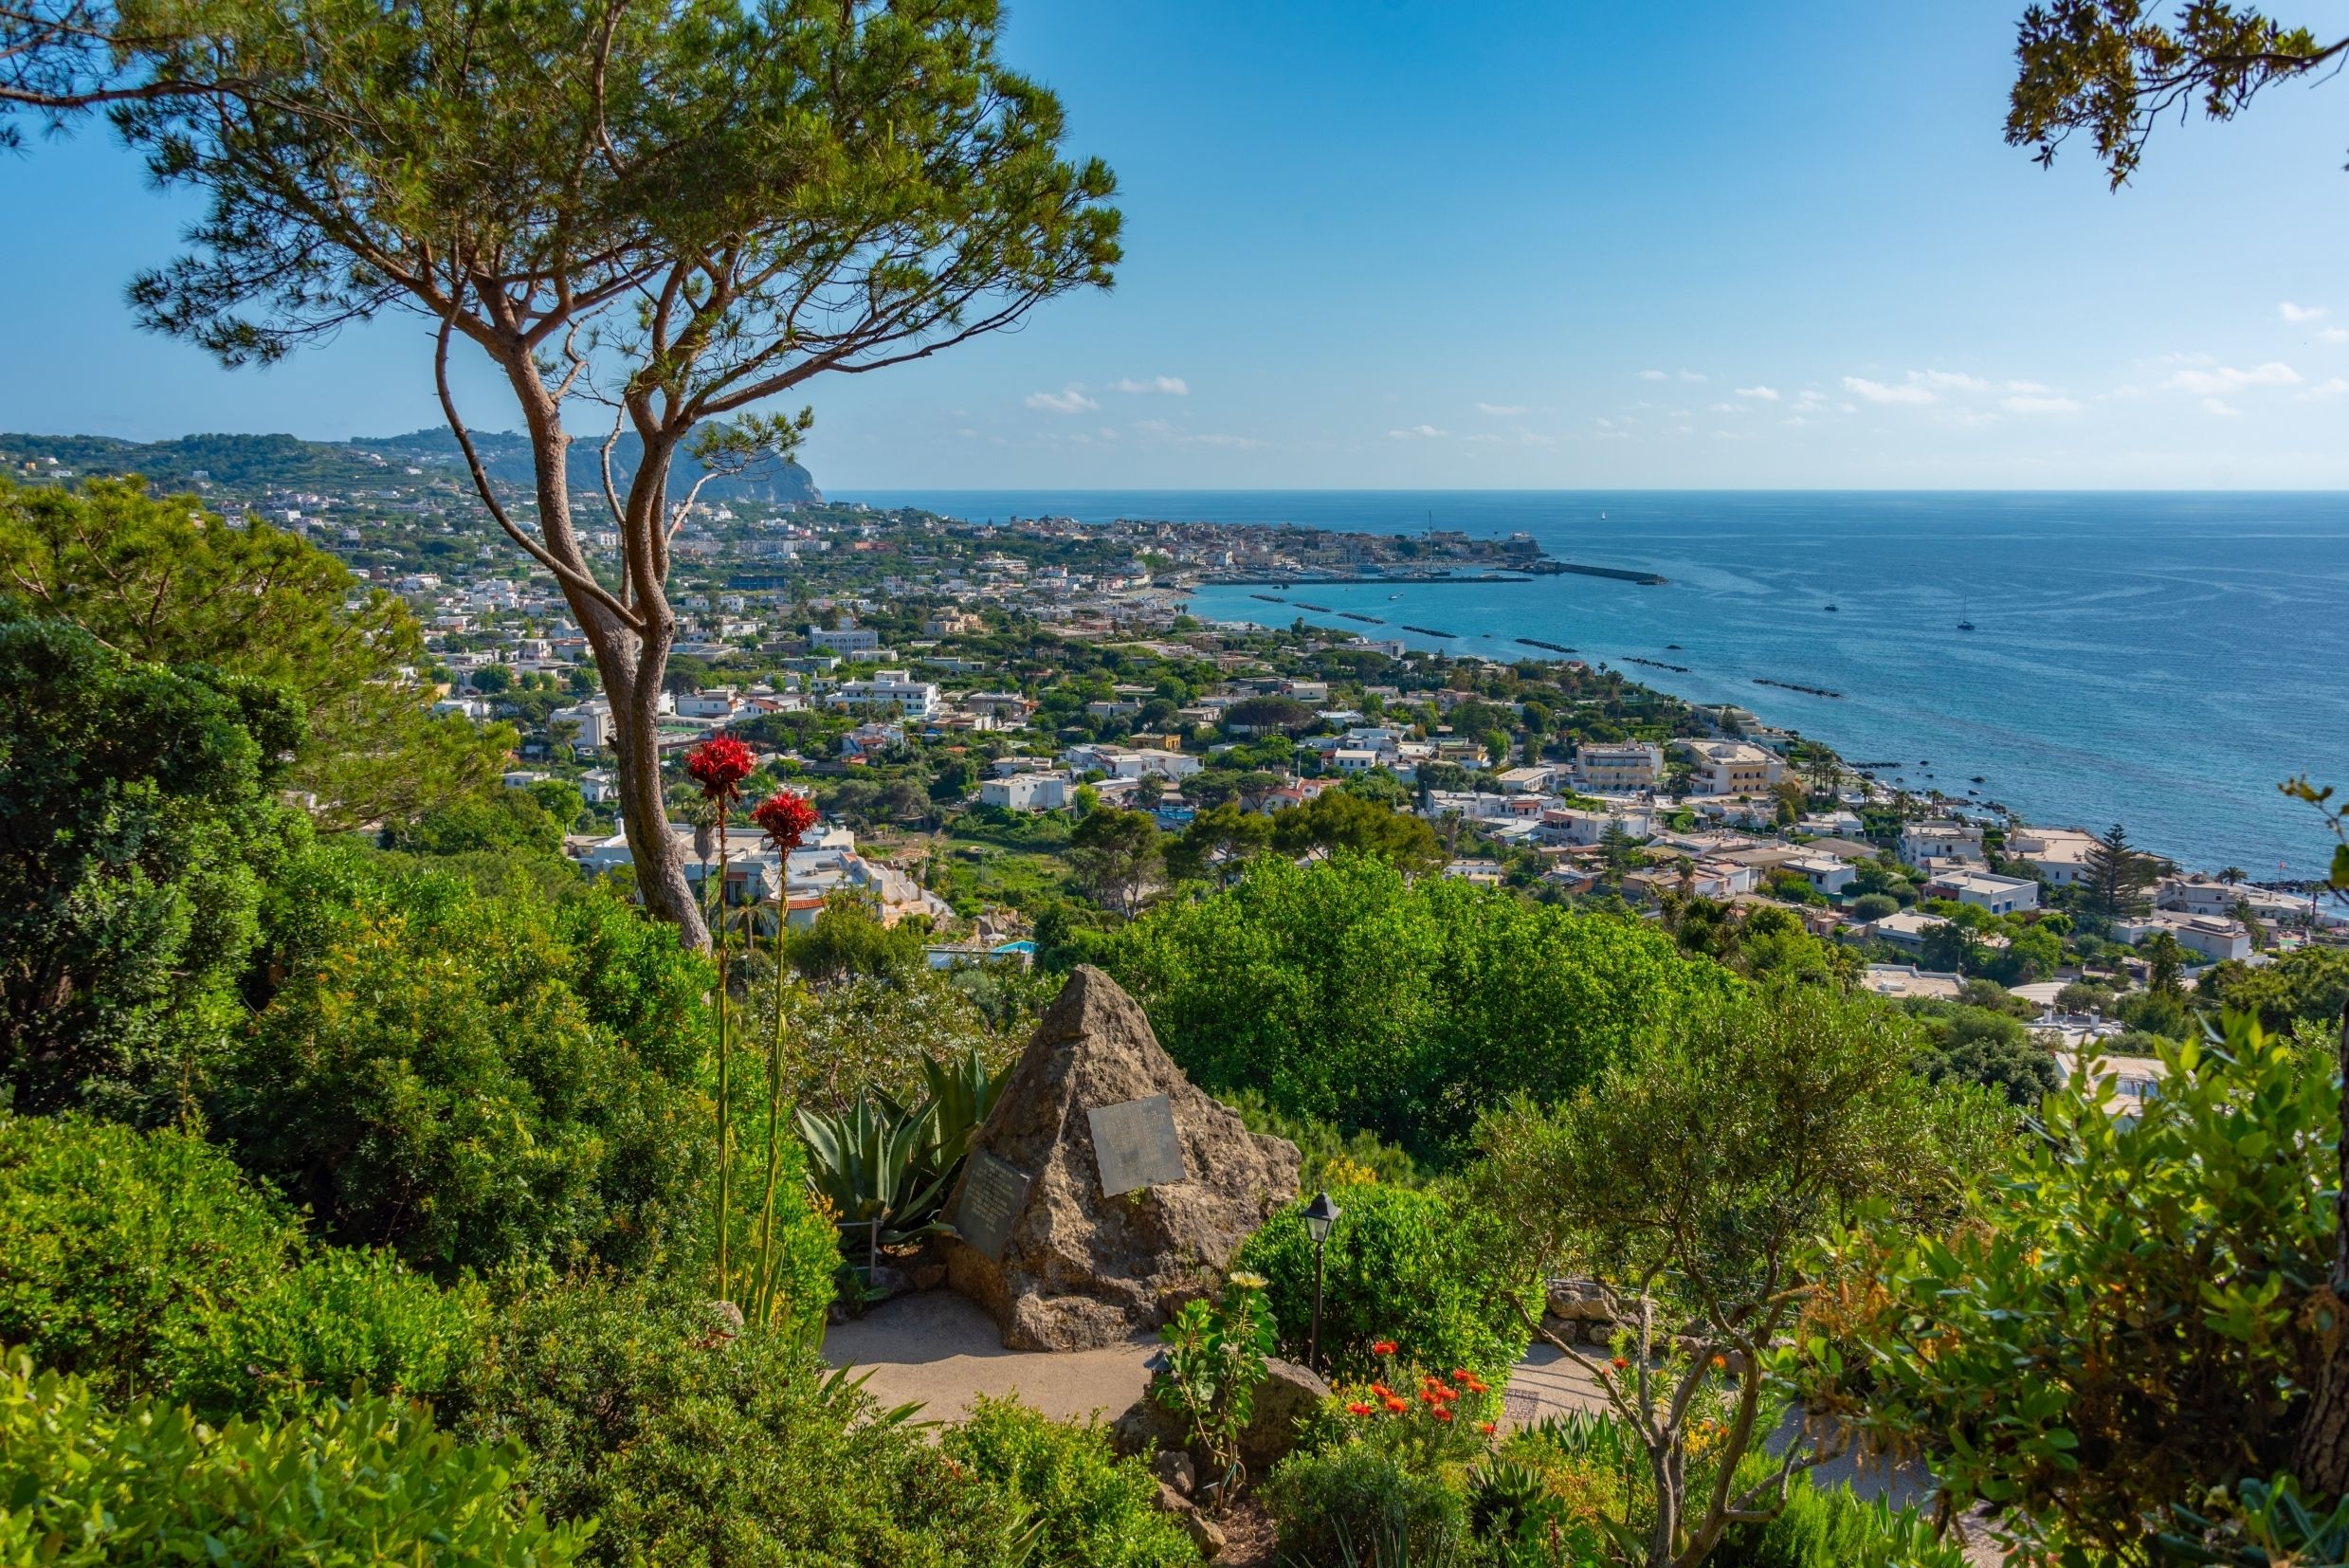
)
(1078, 1267)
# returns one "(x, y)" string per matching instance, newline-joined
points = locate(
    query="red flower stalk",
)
(719, 765)
(785, 818)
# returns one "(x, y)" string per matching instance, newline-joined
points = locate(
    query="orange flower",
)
(1477, 1387)
(1620, 1363)
(1397, 1405)
(1382, 1347)
(1358, 1408)
(1485, 1427)
(1721, 1363)
(1462, 1374)
(1381, 1389)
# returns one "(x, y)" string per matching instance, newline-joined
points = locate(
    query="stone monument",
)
(1103, 1186)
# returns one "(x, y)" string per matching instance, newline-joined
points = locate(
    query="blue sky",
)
(1415, 244)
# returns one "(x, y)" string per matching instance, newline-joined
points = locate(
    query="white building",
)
(848, 641)
(2060, 855)
(1620, 768)
(1731, 767)
(2211, 937)
(1027, 792)
(889, 691)
(1130, 761)
(1998, 895)
(1922, 841)
(1824, 872)
(1901, 981)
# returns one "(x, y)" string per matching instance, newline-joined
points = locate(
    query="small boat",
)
(1964, 623)
(1672, 647)
(1979, 780)
(1830, 609)
(1394, 595)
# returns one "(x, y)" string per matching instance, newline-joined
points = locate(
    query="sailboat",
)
(1964, 622)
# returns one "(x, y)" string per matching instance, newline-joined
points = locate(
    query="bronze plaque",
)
(1135, 1145)
(993, 1195)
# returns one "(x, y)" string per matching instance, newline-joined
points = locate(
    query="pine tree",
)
(2115, 876)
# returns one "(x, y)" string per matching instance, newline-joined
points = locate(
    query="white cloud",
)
(1504, 410)
(2334, 335)
(1763, 394)
(1071, 400)
(2301, 314)
(2030, 389)
(2333, 388)
(1417, 433)
(1243, 442)
(1724, 408)
(1174, 386)
(1692, 376)
(967, 434)
(1486, 440)
(1654, 375)
(1876, 391)
(1948, 381)
(1809, 401)
(2223, 410)
(2038, 403)
(2226, 378)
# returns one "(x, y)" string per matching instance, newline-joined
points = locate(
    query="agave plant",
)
(868, 1164)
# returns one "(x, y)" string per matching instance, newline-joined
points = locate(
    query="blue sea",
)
(2157, 660)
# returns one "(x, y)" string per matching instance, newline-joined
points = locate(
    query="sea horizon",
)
(2162, 659)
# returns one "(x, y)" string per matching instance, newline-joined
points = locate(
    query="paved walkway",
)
(943, 1350)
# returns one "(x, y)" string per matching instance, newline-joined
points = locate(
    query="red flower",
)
(785, 818)
(1485, 1427)
(1397, 1404)
(1462, 1374)
(719, 765)
(1620, 1363)
(1382, 1391)
(1358, 1408)
(1442, 1414)
(1382, 1347)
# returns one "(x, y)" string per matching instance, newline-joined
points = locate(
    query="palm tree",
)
(2233, 875)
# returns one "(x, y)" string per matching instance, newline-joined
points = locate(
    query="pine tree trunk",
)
(2321, 1458)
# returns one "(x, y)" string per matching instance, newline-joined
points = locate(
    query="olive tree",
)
(673, 213)
(1686, 1187)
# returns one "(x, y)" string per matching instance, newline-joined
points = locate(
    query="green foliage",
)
(1689, 1182)
(2310, 984)
(2136, 1327)
(1347, 992)
(1332, 1158)
(848, 941)
(145, 1262)
(2264, 1525)
(1087, 1504)
(1336, 820)
(165, 581)
(876, 1033)
(508, 819)
(1216, 1355)
(1828, 1528)
(691, 1441)
(141, 821)
(1408, 1264)
(476, 1081)
(1972, 1044)
(1114, 857)
(364, 1481)
(1343, 1506)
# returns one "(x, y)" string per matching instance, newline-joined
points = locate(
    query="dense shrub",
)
(1829, 1528)
(1090, 1506)
(1331, 1158)
(1358, 1503)
(147, 1264)
(367, 1481)
(2142, 1322)
(1401, 1264)
(136, 818)
(474, 1081)
(692, 1441)
(1348, 991)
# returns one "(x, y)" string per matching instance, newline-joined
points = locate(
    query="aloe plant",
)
(868, 1164)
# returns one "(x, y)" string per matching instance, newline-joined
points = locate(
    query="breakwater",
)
(1791, 685)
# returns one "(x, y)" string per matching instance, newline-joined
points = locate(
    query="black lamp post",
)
(1320, 1215)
